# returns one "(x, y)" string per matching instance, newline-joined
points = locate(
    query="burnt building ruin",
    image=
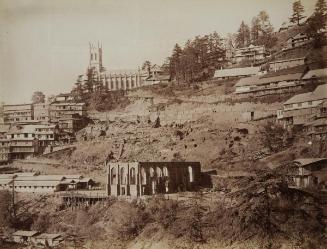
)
(148, 178)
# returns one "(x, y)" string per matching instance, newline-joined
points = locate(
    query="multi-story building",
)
(60, 109)
(4, 150)
(302, 107)
(22, 113)
(316, 128)
(71, 123)
(148, 178)
(30, 140)
(251, 53)
(297, 40)
(259, 86)
(41, 112)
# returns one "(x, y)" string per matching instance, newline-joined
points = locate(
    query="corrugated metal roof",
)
(234, 72)
(6, 176)
(319, 93)
(48, 236)
(307, 161)
(40, 178)
(279, 78)
(248, 81)
(25, 233)
(5, 181)
(316, 73)
(37, 183)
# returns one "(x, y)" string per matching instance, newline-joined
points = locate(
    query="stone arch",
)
(165, 171)
(191, 174)
(113, 176)
(159, 172)
(132, 176)
(123, 176)
(143, 176)
(151, 172)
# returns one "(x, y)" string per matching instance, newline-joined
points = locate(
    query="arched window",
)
(165, 172)
(151, 172)
(122, 176)
(190, 173)
(132, 177)
(91, 57)
(143, 176)
(159, 172)
(113, 176)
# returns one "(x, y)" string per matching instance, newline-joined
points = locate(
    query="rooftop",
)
(316, 73)
(319, 93)
(239, 71)
(307, 161)
(25, 233)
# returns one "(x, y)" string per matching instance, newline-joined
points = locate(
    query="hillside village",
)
(221, 149)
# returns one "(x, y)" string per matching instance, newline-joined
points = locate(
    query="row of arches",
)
(157, 172)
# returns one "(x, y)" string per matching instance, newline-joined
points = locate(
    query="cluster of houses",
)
(35, 183)
(28, 130)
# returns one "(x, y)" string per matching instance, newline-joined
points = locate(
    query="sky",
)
(44, 44)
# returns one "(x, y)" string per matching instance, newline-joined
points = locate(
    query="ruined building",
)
(147, 178)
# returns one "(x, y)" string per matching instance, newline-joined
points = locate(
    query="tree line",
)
(201, 56)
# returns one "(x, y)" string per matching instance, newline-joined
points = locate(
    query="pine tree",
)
(243, 35)
(298, 12)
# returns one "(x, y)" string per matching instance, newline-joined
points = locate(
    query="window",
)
(95, 56)
(143, 176)
(151, 172)
(165, 172)
(113, 176)
(190, 172)
(123, 176)
(91, 57)
(299, 104)
(159, 172)
(310, 103)
(132, 176)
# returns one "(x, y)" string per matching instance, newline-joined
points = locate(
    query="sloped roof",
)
(48, 236)
(37, 183)
(248, 81)
(40, 178)
(316, 73)
(234, 72)
(4, 128)
(6, 176)
(25, 233)
(307, 161)
(5, 181)
(319, 93)
(279, 78)
(290, 70)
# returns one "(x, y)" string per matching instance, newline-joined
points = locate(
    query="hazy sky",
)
(44, 43)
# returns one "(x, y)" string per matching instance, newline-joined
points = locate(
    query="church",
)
(98, 78)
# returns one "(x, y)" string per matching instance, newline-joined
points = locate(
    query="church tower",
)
(96, 57)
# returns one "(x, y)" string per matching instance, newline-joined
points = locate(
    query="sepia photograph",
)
(163, 124)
